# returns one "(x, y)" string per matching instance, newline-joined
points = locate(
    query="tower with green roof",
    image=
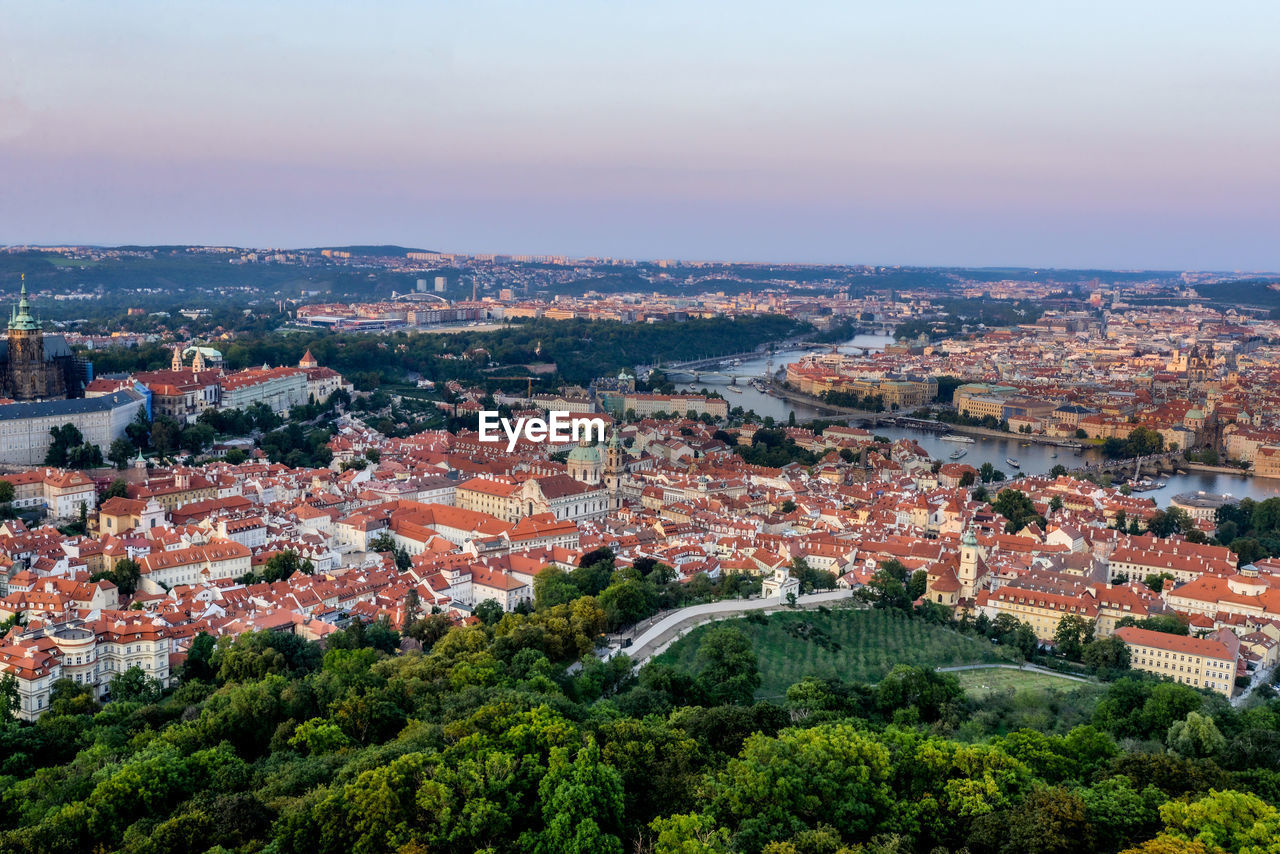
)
(28, 376)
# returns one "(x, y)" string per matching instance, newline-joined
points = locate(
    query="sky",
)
(1044, 134)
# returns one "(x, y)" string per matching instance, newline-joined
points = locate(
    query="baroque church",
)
(35, 366)
(588, 464)
(957, 583)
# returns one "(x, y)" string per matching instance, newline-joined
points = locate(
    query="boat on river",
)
(1011, 461)
(958, 453)
(954, 437)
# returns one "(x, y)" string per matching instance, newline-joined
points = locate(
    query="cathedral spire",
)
(22, 319)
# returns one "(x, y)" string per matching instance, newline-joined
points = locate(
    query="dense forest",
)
(1251, 528)
(511, 735)
(580, 349)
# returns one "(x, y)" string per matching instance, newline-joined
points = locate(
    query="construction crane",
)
(529, 395)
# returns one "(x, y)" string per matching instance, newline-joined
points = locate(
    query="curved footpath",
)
(1030, 668)
(661, 634)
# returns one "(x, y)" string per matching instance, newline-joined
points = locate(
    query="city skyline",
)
(723, 428)
(1132, 138)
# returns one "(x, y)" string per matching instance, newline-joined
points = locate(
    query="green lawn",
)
(855, 645)
(978, 683)
(1008, 700)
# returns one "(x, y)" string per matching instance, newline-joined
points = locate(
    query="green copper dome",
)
(585, 454)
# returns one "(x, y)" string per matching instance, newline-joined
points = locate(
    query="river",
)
(1033, 458)
(765, 404)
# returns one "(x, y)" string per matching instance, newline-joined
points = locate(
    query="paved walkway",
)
(1260, 677)
(658, 635)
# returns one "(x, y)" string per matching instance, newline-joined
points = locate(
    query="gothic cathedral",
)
(33, 367)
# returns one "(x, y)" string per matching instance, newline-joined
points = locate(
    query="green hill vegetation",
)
(511, 736)
(581, 349)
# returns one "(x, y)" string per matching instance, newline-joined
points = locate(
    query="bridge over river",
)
(1164, 463)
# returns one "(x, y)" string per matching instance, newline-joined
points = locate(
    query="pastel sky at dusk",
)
(1113, 134)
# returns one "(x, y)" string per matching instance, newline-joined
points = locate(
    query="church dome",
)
(585, 454)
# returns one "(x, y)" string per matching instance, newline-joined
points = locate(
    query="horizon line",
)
(11, 247)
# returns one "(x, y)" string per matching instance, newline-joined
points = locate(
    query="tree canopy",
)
(514, 735)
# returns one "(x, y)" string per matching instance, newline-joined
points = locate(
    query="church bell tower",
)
(613, 468)
(968, 574)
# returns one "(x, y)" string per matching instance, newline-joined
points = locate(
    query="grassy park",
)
(1008, 700)
(851, 644)
(978, 683)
